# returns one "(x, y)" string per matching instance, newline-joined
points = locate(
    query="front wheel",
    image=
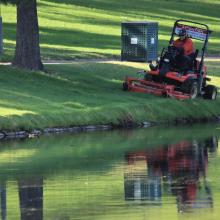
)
(210, 92)
(194, 90)
(191, 87)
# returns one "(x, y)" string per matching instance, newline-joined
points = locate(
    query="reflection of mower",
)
(166, 78)
(179, 169)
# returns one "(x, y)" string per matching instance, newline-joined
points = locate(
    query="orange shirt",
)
(186, 44)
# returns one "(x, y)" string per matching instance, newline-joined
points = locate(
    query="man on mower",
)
(185, 48)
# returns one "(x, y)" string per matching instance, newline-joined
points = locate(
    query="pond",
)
(154, 173)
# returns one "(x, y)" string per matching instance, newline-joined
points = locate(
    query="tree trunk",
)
(27, 53)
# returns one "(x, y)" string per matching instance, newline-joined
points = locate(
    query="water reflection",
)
(30, 191)
(176, 169)
(31, 198)
(128, 174)
(3, 200)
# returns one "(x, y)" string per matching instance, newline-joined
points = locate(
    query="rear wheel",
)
(210, 92)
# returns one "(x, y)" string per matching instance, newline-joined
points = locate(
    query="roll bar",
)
(193, 31)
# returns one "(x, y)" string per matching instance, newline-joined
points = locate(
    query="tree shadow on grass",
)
(203, 12)
(70, 43)
(61, 43)
(158, 7)
(64, 37)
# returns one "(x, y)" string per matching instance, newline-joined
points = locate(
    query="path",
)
(61, 62)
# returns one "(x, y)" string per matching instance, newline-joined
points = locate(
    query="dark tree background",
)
(27, 52)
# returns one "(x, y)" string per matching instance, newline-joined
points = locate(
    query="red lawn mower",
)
(167, 78)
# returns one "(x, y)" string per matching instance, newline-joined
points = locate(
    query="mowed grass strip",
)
(92, 28)
(88, 93)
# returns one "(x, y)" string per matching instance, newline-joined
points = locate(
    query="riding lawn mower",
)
(167, 78)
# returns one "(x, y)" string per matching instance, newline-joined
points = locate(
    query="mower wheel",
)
(194, 90)
(191, 87)
(125, 86)
(210, 92)
(153, 66)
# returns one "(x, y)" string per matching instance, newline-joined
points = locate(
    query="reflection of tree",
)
(31, 198)
(181, 167)
(3, 200)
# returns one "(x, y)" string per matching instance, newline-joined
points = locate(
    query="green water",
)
(156, 173)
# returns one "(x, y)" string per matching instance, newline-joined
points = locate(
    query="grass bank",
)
(88, 93)
(91, 28)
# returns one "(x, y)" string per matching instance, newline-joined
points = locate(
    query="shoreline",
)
(36, 133)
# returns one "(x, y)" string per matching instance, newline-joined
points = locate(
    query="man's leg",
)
(184, 64)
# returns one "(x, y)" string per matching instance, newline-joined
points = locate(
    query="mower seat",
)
(193, 63)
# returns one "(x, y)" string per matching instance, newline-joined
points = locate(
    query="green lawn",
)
(91, 28)
(88, 93)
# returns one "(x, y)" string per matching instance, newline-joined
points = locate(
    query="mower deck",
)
(149, 87)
